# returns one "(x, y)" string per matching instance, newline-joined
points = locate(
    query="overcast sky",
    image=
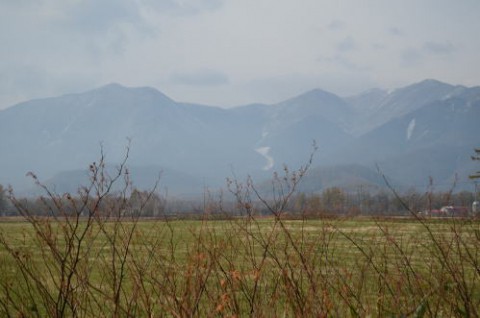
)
(232, 52)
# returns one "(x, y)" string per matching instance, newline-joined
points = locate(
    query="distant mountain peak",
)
(318, 92)
(406, 130)
(119, 89)
(110, 86)
(315, 96)
(429, 83)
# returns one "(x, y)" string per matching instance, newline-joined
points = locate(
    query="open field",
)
(262, 267)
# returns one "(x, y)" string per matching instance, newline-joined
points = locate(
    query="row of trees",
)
(338, 201)
(332, 201)
(148, 204)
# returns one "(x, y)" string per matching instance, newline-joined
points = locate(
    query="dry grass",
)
(92, 255)
(344, 267)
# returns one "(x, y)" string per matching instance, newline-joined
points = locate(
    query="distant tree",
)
(146, 203)
(3, 201)
(334, 200)
(314, 205)
(381, 203)
(363, 200)
(463, 198)
(299, 203)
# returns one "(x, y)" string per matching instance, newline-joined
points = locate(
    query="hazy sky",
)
(231, 52)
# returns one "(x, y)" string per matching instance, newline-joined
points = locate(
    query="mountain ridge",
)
(64, 133)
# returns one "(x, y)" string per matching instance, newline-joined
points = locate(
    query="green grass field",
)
(240, 267)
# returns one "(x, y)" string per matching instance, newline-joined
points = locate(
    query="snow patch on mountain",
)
(264, 151)
(410, 128)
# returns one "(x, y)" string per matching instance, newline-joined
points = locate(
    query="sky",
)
(234, 52)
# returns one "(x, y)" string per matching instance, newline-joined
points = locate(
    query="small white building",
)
(476, 208)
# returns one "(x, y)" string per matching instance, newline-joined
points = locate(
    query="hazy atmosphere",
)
(228, 53)
(239, 158)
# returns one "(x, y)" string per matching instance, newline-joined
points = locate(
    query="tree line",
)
(330, 202)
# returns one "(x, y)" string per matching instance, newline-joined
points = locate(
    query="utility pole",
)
(475, 198)
(475, 177)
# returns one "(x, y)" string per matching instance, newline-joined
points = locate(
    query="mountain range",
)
(427, 129)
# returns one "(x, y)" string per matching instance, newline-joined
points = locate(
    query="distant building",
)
(461, 211)
(447, 211)
(476, 208)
